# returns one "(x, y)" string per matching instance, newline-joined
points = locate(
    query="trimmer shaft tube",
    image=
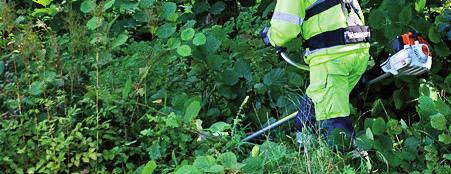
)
(272, 126)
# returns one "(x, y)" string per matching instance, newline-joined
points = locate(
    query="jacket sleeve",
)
(286, 22)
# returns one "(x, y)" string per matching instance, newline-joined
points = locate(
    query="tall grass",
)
(316, 157)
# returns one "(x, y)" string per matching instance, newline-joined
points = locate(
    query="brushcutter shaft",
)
(272, 126)
(379, 78)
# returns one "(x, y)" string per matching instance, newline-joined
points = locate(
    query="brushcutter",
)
(411, 57)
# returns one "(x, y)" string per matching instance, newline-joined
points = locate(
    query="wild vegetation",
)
(150, 86)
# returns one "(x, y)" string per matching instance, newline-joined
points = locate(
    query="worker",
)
(337, 52)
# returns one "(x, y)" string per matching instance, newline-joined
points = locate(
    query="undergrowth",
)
(148, 86)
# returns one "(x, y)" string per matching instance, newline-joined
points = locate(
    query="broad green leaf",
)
(200, 7)
(448, 83)
(444, 138)
(149, 167)
(36, 88)
(369, 134)
(393, 127)
(426, 104)
(192, 111)
(43, 2)
(166, 30)
(227, 92)
(215, 169)
(428, 90)
(215, 62)
(398, 99)
(229, 77)
(441, 107)
(217, 7)
(172, 120)
(52, 11)
(228, 160)
(419, 5)
(383, 142)
(406, 15)
(422, 25)
(378, 127)
(94, 23)
(87, 6)
(188, 34)
(129, 6)
(141, 16)
(253, 165)
(441, 49)
(243, 69)
(433, 34)
(199, 39)
(212, 45)
(269, 9)
(403, 124)
(392, 9)
(204, 162)
(188, 169)
(260, 88)
(146, 3)
(275, 77)
(2, 67)
(412, 143)
(364, 142)
(108, 5)
(447, 156)
(155, 151)
(168, 9)
(184, 50)
(283, 101)
(377, 19)
(406, 155)
(189, 24)
(438, 121)
(49, 76)
(121, 39)
(127, 88)
(392, 31)
(220, 127)
(174, 42)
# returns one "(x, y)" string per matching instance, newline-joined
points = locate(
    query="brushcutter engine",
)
(412, 56)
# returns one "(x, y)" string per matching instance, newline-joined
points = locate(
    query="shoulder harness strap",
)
(323, 5)
(320, 6)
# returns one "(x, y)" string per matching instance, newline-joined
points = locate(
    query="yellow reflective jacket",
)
(288, 21)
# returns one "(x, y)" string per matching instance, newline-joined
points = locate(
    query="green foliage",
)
(199, 39)
(43, 2)
(94, 23)
(166, 30)
(87, 6)
(147, 86)
(149, 167)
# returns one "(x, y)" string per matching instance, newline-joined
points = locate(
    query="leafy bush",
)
(144, 86)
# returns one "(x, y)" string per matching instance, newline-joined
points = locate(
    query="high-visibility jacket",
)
(289, 19)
